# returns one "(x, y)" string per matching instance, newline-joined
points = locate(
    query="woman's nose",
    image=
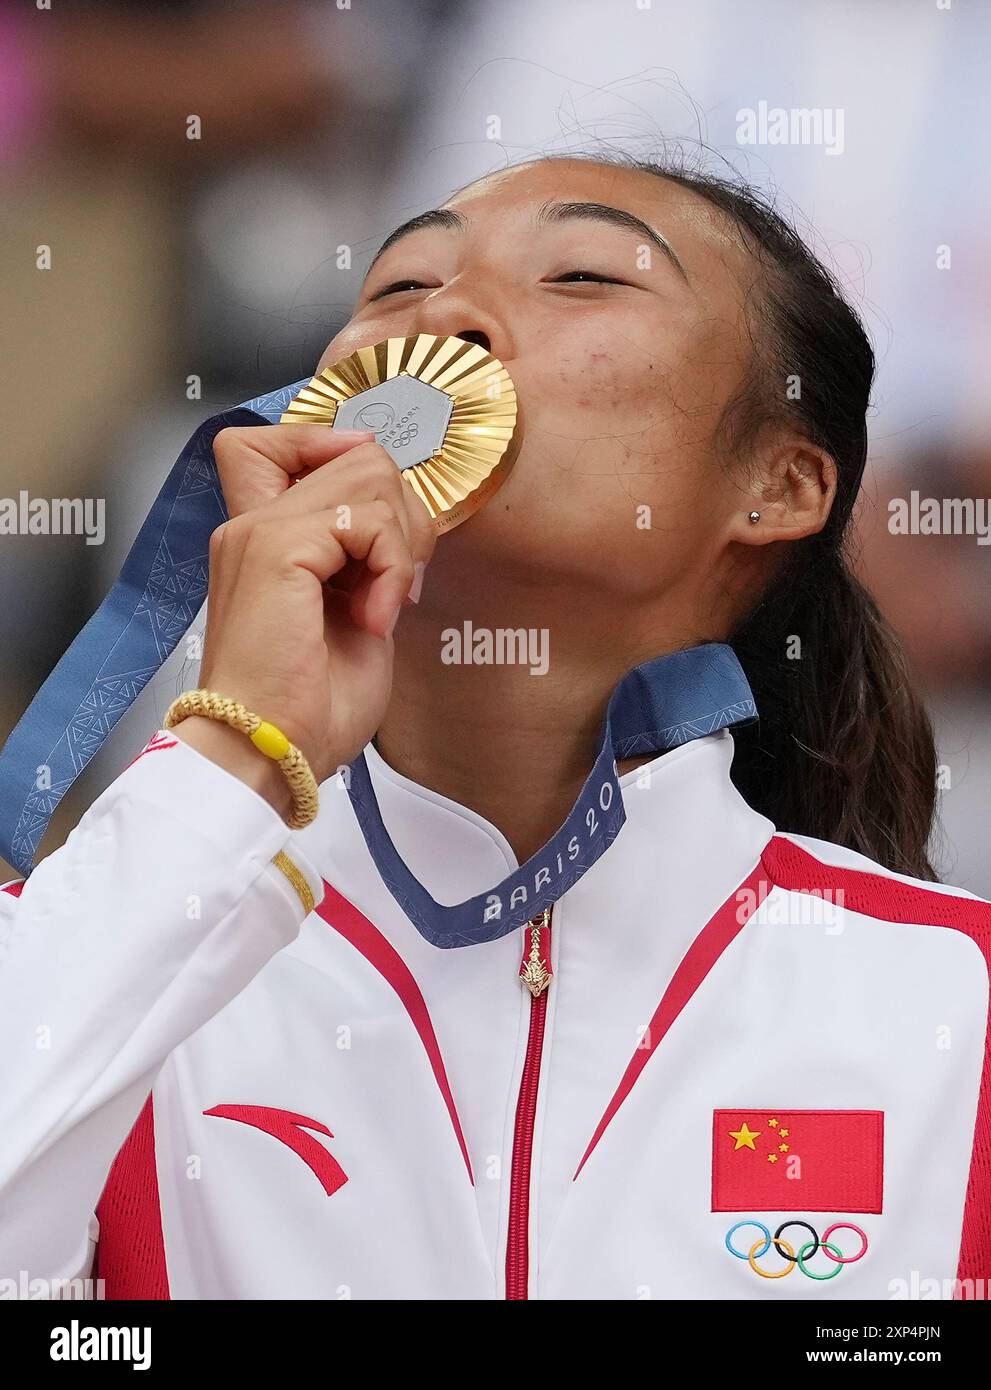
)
(453, 311)
(475, 335)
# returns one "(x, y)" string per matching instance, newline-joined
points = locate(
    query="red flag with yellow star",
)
(797, 1160)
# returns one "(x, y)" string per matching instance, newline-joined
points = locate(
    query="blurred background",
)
(324, 123)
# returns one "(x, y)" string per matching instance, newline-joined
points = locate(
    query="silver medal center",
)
(409, 417)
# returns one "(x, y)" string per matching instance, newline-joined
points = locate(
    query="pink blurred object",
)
(22, 120)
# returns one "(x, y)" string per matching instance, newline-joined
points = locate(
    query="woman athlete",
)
(742, 1055)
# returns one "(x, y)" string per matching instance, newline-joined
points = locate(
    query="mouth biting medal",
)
(443, 408)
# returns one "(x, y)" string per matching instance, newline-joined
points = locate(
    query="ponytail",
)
(843, 749)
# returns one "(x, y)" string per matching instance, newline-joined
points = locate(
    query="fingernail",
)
(353, 434)
(416, 588)
(395, 619)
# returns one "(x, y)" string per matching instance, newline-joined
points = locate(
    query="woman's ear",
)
(793, 487)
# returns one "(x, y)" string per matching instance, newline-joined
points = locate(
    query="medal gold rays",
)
(445, 409)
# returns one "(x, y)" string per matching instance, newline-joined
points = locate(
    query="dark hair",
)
(843, 749)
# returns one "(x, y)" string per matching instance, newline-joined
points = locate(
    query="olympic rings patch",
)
(796, 1259)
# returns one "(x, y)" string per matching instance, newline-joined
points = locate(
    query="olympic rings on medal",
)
(787, 1252)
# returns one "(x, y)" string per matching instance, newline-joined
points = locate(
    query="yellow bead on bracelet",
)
(270, 741)
(267, 739)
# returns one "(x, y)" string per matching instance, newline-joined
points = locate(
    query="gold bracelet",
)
(266, 738)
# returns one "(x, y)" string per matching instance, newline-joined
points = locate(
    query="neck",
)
(512, 745)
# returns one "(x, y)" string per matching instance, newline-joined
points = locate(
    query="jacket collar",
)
(686, 824)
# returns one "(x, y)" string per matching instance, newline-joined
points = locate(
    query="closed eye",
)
(585, 277)
(398, 287)
(570, 277)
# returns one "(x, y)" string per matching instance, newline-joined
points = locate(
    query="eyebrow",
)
(616, 217)
(436, 217)
(548, 213)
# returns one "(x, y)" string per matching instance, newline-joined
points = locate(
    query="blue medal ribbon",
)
(152, 604)
(655, 707)
(161, 587)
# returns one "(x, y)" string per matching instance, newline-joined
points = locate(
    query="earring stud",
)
(755, 516)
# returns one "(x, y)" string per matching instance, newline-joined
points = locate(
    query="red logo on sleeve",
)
(797, 1160)
(158, 743)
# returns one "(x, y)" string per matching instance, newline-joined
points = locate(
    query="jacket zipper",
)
(535, 976)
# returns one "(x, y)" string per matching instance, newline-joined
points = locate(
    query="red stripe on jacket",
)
(877, 895)
(365, 937)
(130, 1256)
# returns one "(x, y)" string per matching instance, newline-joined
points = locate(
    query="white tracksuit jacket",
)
(743, 1031)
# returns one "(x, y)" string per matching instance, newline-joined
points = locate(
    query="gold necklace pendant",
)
(443, 408)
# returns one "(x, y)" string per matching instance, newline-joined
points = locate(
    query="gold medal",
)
(443, 408)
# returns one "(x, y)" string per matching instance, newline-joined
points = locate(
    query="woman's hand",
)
(307, 580)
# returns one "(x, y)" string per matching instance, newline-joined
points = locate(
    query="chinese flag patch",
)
(797, 1160)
